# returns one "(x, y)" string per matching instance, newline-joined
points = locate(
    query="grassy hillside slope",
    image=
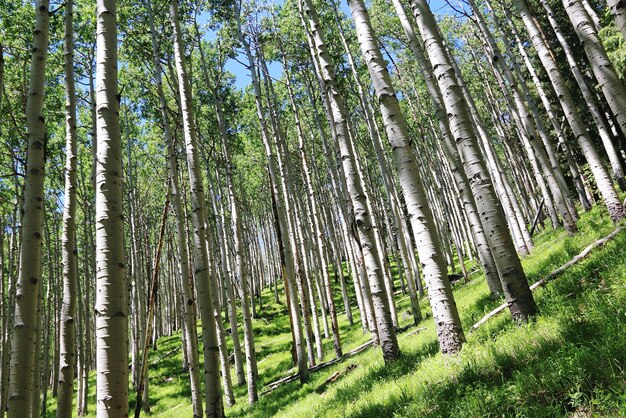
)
(570, 361)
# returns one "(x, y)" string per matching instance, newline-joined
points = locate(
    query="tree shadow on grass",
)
(547, 378)
(291, 393)
(579, 365)
(408, 362)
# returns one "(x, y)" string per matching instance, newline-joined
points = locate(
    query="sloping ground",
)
(570, 361)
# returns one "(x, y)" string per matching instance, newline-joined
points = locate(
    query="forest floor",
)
(569, 361)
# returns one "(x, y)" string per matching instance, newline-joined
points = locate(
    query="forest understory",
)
(569, 361)
(303, 208)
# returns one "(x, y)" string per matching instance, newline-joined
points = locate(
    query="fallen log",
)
(169, 353)
(555, 273)
(334, 377)
(294, 377)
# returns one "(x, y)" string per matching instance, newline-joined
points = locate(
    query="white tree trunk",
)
(68, 251)
(444, 309)
(281, 215)
(602, 178)
(602, 67)
(514, 284)
(25, 326)
(618, 11)
(111, 307)
(484, 252)
(213, 392)
(189, 302)
(386, 331)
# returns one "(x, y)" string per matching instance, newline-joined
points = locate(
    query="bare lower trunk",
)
(618, 11)
(445, 314)
(213, 392)
(111, 308)
(602, 67)
(602, 178)
(484, 252)
(69, 251)
(363, 227)
(601, 125)
(25, 325)
(189, 318)
(514, 284)
(289, 263)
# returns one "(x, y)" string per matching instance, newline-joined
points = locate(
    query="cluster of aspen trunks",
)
(336, 163)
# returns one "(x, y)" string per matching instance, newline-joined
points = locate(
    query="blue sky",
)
(242, 76)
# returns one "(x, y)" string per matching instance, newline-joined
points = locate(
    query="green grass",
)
(570, 360)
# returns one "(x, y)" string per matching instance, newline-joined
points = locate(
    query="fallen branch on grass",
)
(555, 273)
(169, 353)
(319, 366)
(334, 377)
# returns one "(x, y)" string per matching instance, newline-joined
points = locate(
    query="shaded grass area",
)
(570, 360)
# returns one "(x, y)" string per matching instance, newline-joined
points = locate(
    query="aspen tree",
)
(241, 272)
(618, 11)
(530, 128)
(111, 309)
(612, 86)
(321, 246)
(601, 126)
(281, 213)
(69, 250)
(445, 313)
(212, 389)
(25, 322)
(354, 250)
(600, 174)
(518, 295)
(287, 185)
(189, 327)
(556, 124)
(484, 252)
(386, 333)
(403, 239)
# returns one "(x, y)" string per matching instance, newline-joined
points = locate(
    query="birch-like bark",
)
(213, 392)
(225, 268)
(612, 87)
(601, 175)
(287, 186)
(593, 15)
(4, 304)
(25, 326)
(380, 250)
(189, 317)
(601, 125)
(512, 276)
(111, 307)
(386, 331)
(12, 279)
(241, 270)
(484, 252)
(618, 11)
(529, 132)
(282, 219)
(354, 251)
(69, 251)
(319, 235)
(242, 273)
(556, 124)
(342, 199)
(445, 313)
